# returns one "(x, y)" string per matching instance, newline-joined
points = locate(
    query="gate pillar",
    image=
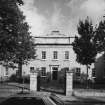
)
(33, 80)
(69, 83)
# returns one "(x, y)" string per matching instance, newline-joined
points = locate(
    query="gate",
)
(54, 81)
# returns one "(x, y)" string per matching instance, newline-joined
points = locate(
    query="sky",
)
(45, 16)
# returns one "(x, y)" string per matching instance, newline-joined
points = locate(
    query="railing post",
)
(33, 80)
(69, 83)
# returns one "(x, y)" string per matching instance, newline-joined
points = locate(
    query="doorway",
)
(54, 73)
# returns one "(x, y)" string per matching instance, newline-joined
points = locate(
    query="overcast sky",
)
(46, 15)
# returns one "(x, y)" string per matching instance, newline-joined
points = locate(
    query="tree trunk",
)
(87, 77)
(20, 68)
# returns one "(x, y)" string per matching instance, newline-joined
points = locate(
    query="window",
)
(43, 71)
(93, 72)
(55, 55)
(31, 69)
(7, 72)
(66, 68)
(78, 71)
(43, 54)
(66, 54)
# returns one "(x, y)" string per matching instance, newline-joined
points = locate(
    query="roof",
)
(54, 38)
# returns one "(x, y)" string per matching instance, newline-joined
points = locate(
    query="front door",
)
(54, 73)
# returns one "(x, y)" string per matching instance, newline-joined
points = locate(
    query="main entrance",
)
(54, 81)
(54, 73)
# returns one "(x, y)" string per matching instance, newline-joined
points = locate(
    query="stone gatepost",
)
(33, 80)
(69, 83)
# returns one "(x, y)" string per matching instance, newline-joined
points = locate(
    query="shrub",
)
(15, 78)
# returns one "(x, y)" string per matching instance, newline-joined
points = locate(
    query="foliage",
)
(16, 44)
(99, 38)
(9, 18)
(83, 45)
(14, 78)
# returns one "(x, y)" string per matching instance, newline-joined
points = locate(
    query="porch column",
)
(33, 80)
(69, 83)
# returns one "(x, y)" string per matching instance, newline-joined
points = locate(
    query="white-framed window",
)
(43, 71)
(66, 54)
(78, 71)
(43, 54)
(93, 72)
(66, 68)
(6, 71)
(55, 55)
(31, 69)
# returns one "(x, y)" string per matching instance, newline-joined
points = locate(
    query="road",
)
(6, 91)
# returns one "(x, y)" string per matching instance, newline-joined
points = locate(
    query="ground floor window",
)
(66, 69)
(7, 71)
(31, 69)
(43, 71)
(94, 72)
(78, 72)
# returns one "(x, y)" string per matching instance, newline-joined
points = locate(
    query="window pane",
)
(66, 54)
(43, 54)
(55, 55)
(31, 69)
(7, 72)
(94, 72)
(43, 71)
(78, 71)
(66, 68)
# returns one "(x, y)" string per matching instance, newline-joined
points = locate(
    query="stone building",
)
(54, 54)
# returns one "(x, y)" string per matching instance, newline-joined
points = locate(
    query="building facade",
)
(54, 53)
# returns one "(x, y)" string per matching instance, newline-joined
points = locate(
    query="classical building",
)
(54, 53)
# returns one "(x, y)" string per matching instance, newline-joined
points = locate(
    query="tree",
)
(99, 37)
(9, 17)
(16, 44)
(83, 45)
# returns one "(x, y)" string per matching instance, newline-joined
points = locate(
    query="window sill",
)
(54, 59)
(43, 76)
(66, 60)
(43, 59)
(93, 77)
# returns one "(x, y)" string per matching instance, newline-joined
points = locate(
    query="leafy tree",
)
(9, 17)
(16, 44)
(83, 45)
(99, 37)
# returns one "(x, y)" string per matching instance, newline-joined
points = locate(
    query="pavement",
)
(8, 89)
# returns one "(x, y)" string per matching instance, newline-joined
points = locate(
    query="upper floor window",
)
(43, 71)
(66, 54)
(43, 54)
(55, 55)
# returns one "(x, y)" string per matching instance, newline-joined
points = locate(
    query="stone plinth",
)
(33, 81)
(69, 83)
